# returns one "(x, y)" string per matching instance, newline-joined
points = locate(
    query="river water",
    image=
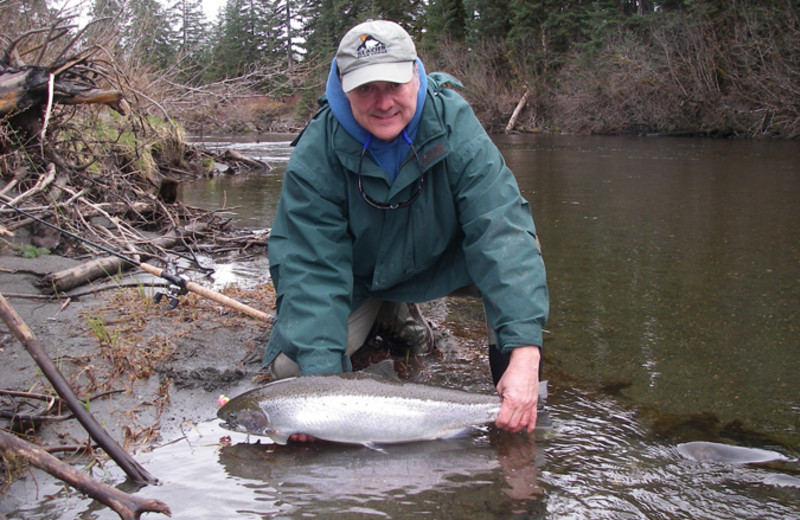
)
(674, 273)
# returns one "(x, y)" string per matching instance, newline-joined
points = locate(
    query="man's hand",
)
(519, 388)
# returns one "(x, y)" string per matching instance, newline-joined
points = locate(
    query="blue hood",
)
(389, 155)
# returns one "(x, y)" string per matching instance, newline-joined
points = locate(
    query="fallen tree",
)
(31, 87)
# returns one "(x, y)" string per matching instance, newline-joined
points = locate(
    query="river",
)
(674, 273)
(673, 265)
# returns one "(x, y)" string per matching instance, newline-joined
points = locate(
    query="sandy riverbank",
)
(163, 367)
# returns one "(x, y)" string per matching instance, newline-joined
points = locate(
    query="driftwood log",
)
(238, 158)
(128, 507)
(67, 279)
(517, 111)
(25, 87)
(18, 327)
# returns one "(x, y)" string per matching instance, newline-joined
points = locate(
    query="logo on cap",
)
(370, 47)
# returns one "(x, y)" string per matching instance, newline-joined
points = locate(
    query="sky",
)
(212, 7)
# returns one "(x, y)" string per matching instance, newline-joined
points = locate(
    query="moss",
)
(137, 146)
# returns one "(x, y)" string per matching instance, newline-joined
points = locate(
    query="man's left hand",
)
(519, 388)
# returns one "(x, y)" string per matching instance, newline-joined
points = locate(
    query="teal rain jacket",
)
(329, 250)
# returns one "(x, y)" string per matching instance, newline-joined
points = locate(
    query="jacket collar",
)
(429, 143)
(388, 155)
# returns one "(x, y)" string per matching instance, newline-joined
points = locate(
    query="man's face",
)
(383, 109)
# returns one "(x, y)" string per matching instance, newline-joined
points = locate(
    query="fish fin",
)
(455, 434)
(279, 438)
(543, 421)
(374, 447)
(543, 390)
(383, 368)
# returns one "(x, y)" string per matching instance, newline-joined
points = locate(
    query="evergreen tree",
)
(251, 33)
(329, 20)
(488, 19)
(148, 34)
(445, 20)
(107, 16)
(237, 45)
(192, 40)
(136, 31)
(192, 29)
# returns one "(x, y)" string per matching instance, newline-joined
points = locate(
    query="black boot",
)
(498, 363)
(404, 328)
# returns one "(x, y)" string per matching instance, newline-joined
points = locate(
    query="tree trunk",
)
(26, 87)
(517, 112)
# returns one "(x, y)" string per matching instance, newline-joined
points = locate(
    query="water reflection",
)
(249, 200)
(400, 481)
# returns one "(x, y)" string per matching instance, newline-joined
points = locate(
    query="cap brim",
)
(393, 72)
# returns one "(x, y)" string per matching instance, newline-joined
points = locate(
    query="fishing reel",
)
(176, 287)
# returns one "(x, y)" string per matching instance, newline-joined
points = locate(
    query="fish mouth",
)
(230, 426)
(234, 427)
(239, 428)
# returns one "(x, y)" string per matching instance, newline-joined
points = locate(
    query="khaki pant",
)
(359, 324)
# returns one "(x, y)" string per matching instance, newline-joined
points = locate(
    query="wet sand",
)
(211, 350)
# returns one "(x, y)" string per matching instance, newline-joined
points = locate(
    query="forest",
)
(676, 67)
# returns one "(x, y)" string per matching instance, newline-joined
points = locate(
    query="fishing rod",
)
(181, 285)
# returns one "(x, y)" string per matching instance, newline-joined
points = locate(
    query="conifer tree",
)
(445, 20)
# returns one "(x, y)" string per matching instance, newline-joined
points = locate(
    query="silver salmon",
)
(357, 408)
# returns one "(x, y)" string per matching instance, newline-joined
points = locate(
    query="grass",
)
(27, 251)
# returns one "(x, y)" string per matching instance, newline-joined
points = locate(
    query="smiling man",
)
(385, 107)
(396, 195)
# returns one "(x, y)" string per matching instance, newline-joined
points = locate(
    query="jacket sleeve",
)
(500, 244)
(310, 254)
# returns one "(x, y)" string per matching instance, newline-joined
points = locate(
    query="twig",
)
(34, 418)
(7, 187)
(62, 387)
(128, 507)
(40, 185)
(51, 80)
(28, 395)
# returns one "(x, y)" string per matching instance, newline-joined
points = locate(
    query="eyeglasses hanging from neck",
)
(382, 205)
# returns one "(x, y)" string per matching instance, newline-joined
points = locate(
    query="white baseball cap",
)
(376, 50)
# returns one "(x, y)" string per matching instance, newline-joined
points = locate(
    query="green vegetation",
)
(602, 66)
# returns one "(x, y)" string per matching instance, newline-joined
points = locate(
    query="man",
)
(396, 194)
